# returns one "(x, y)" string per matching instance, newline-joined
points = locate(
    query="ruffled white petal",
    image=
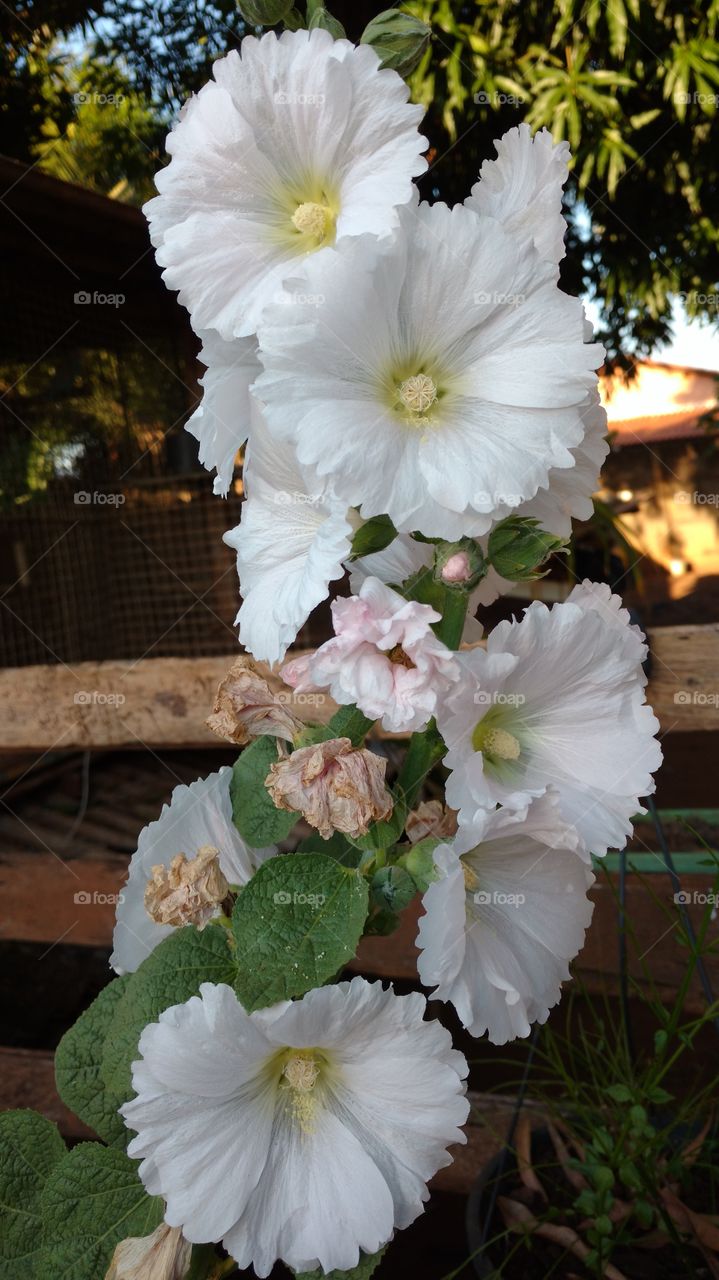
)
(522, 188)
(221, 422)
(198, 814)
(499, 949)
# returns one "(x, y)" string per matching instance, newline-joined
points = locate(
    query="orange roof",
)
(659, 426)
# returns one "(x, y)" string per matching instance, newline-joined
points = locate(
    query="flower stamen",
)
(314, 220)
(399, 658)
(497, 744)
(301, 1071)
(418, 393)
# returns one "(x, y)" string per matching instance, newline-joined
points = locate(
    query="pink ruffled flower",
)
(384, 658)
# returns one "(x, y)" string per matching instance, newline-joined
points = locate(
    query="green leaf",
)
(385, 833)
(295, 924)
(78, 1063)
(91, 1201)
(321, 18)
(419, 862)
(619, 1092)
(373, 536)
(337, 847)
(366, 1267)
(170, 975)
(350, 723)
(30, 1147)
(254, 813)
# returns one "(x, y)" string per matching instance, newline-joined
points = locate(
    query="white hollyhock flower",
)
(292, 539)
(557, 698)
(304, 1132)
(297, 143)
(448, 389)
(506, 916)
(522, 188)
(221, 422)
(384, 658)
(198, 816)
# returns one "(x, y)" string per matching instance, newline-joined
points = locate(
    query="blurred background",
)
(111, 558)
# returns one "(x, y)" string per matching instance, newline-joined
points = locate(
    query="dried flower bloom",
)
(164, 1255)
(188, 891)
(248, 705)
(335, 786)
(430, 818)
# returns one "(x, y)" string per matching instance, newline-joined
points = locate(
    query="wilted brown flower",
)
(335, 786)
(248, 705)
(165, 1255)
(430, 818)
(187, 892)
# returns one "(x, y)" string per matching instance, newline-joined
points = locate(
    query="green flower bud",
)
(518, 547)
(398, 39)
(321, 18)
(392, 888)
(264, 13)
(459, 565)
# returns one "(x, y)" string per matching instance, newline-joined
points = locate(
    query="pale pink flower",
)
(249, 704)
(384, 658)
(335, 786)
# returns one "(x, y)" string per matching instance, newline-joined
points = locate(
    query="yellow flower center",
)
(498, 744)
(316, 221)
(301, 1072)
(471, 879)
(418, 393)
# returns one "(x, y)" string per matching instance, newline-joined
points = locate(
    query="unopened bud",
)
(324, 20)
(398, 39)
(518, 547)
(459, 564)
(264, 13)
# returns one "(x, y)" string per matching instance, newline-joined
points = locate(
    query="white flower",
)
(221, 422)
(198, 816)
(384, 658)
(298, 142)
(522, 188)
(304, 1132)
(448, 389)
(508, 913)
(557, 698)
(291, 541)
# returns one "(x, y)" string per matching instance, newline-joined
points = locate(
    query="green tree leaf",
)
(254, 813)
(170, 975)
(295, 924)
(92, 1199)
(78, 1064)
(30, 1148)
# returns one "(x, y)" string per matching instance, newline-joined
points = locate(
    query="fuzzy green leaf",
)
(91, 1201)
(366, 1267)
(254, 813)
(30, 1148)
(78, 1064)
(295, 924)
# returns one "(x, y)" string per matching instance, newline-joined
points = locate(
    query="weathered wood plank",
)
(163, 702)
